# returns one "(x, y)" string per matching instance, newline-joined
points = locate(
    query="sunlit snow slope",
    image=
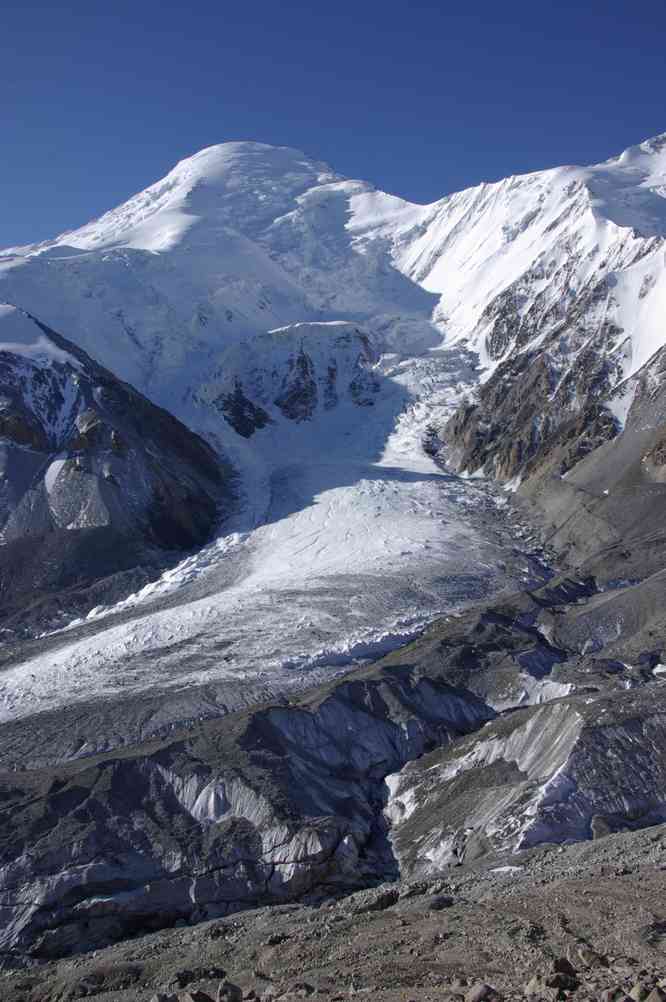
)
(312, 328)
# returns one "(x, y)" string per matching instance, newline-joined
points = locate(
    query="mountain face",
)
(98, 485)
(253, 294)
(554, 279)
(239, 239)
(292, 373)
(579, 317)
(343, 352)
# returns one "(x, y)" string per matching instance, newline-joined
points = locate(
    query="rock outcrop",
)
(265, 807)
(96, 483)
(292, 373)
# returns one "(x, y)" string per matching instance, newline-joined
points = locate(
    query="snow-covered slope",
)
(519, 253)
(244, 237)
(239, 239)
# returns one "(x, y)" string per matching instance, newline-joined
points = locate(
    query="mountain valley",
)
(333, 544)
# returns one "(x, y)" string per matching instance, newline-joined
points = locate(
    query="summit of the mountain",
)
(650, 154)
(243, 184)
(239, 239)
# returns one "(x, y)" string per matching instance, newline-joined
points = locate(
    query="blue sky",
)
(97, 100)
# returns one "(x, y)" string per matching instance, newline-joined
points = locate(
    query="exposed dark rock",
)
(292, 374)
(531, 416)
(99, 485)
(372, 901)
(244, 416)
(298, 397)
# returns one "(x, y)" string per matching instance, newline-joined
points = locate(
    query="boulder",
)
(481, 992)
(227, 991)
(375, 900)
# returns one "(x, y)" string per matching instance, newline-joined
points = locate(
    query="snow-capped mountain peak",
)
(231, 183)
(650, 154)
(238, 239)
(243, 238)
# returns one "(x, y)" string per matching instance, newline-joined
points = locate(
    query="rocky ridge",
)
(99, 488)
(564, 341)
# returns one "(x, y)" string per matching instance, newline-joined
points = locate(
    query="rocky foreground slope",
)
(584, 922)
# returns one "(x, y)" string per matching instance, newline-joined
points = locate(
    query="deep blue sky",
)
(99, 99)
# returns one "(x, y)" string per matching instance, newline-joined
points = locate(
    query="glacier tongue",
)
(349, 540)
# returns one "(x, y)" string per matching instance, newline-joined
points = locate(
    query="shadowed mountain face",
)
(99, 486)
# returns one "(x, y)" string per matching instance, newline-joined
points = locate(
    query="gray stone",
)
(589, 957)
(563, 966)
(375, 900)
(440, 902)
(481, 992)
(228, 992)
(539, 988)
(534, 985)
